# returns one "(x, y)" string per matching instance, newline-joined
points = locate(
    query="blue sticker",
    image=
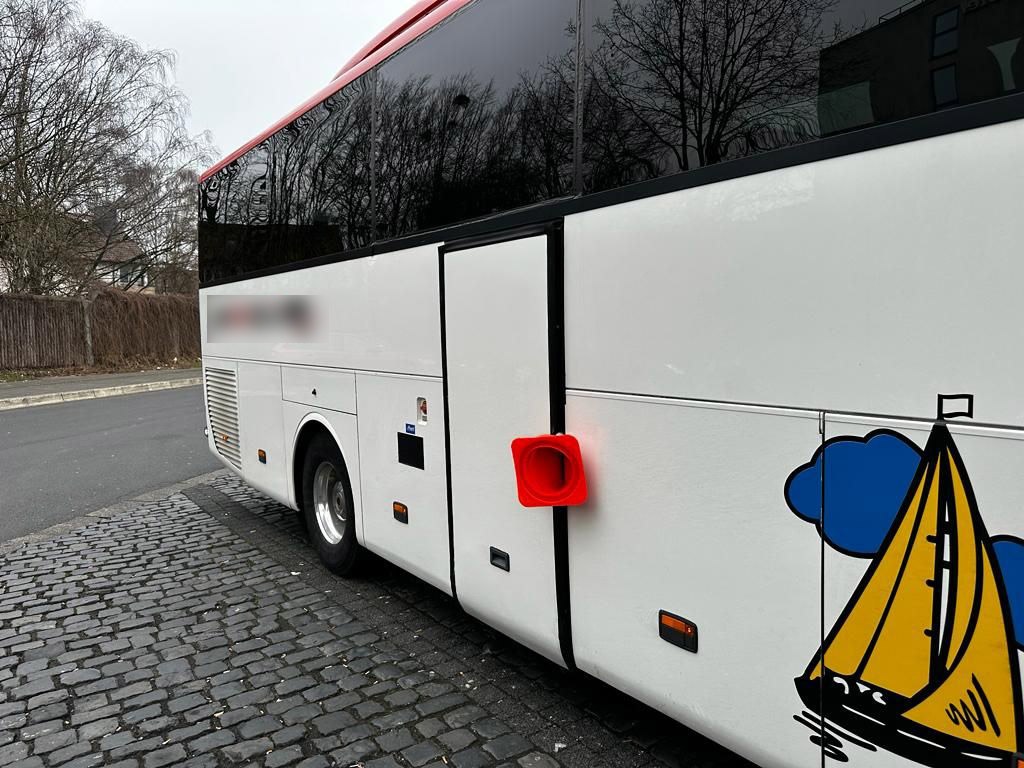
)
(410, 429)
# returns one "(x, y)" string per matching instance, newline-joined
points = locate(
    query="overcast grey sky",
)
(246, 63)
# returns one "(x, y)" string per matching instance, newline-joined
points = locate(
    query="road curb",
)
(10, 403)
(88, 518)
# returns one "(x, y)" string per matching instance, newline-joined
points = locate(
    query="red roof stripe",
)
(407, 19)
(410, 32)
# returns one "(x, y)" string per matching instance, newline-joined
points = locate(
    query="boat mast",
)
(945, 576)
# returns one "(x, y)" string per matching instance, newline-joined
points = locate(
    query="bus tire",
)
(328, 507)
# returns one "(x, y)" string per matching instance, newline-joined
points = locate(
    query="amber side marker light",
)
(401, 512)
(262, 456)
(678, 631)
(1018, 761)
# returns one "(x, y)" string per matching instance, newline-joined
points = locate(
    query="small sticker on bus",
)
(410, 429)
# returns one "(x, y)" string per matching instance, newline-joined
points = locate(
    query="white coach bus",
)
(747, 275)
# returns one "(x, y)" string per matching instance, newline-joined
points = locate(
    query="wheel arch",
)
(309, 426)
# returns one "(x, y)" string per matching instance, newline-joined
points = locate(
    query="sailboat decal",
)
(922, 662)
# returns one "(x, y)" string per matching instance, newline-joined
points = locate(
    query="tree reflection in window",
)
(477, 117)
(678, 84)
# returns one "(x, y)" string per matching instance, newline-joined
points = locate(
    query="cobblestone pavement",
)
(198, 631)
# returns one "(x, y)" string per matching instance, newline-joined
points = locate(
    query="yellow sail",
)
(976, 700)
(899, 661)
(881, 639)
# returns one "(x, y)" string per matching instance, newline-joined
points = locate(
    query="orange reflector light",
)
(401, 512)
(677, 630)
(262, 455)
(1020, 761)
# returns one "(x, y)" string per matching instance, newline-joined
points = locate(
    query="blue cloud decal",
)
(1010, 557)
(866, 480)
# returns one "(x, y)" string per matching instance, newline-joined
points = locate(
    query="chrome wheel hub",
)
(329, 502)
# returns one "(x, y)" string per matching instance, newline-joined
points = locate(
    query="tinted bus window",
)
(477, 116)
(302, 193)
(672, 85)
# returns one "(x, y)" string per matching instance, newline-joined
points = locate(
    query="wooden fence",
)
(112, 329)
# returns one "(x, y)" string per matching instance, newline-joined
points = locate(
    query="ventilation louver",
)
(222, 405)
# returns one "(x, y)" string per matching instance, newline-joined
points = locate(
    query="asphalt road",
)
(61, 461)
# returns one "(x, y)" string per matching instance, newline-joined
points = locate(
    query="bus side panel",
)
(416, 540)
(866, 283)
(261, 429)
(687, 515)
(378, 313)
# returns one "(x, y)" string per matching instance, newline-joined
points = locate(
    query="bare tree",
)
(93, 150)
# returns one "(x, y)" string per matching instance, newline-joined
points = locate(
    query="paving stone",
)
(395, 719)
(31, 689)
(333, 722)
(162, 757)
(80, 676)
(200, 761)
(456, 740)
(235, 716)
(131, 690)
(12, 752)
(342, 701)
(52, 741)
(301, 714)
(258, 726)
(200, 713)
(115, 740)
(185, 702)
(43, 700)
(474, 757)
(393, 741)
(354, 753)
(145, 699)
(85, 761)
(364, 710)
(355, 733)
(509, 745)
(282, 757)
(188, 732)
(294, 685)
(98, 728)
(212, 741)
(422, 753)
(288, 735)
(155, 724)
(246, 750)
(401, 698)
(137, 747)
(41, 729)
(431, 727)
(440, 703)
(139, 715)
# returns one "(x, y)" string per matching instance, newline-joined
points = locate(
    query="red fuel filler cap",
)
(549, 471)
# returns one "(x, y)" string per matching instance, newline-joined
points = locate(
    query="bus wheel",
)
(327, 502)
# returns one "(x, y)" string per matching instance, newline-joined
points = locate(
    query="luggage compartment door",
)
(501, 346)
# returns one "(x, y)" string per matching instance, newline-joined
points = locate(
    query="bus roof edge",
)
(404, 30)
